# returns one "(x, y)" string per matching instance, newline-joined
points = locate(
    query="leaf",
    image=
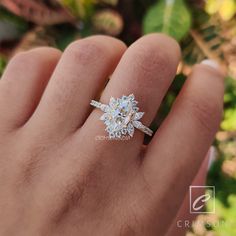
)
(213, 40)
(168, 16)
(2, 65)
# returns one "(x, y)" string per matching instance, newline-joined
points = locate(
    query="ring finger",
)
(145, 70)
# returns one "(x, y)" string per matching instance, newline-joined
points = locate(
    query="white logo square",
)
(197, 201)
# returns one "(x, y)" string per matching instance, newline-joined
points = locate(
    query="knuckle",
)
(35, 57)
(50, 50)
(145, 58)
(150, 60)
(20, 58)
(85, 51)
(152, 56)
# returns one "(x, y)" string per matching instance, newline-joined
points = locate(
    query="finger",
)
(184, 219)
(80, 75)
(184, 137)
(23, 83)
(146, 70)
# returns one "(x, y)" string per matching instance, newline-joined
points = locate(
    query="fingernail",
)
(211, 63)
(212, 157)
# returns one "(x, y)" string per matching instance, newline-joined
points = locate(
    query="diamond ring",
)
(121, 116)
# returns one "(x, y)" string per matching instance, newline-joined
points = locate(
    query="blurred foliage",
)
(2, 64)
(225, 8)
(229, 121)
(39, 12)
(223, 176)
(170, 17)
(204, 29)
(108, 22)
(11, 26)
(80, 8)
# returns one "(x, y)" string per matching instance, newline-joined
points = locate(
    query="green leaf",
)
(168, 16)
(2, 65)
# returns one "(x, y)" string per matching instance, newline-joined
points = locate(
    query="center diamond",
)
(120, 115)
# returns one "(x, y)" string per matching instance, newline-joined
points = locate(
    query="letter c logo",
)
(200, 200)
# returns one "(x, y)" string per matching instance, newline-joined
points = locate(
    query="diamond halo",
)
(121, 116)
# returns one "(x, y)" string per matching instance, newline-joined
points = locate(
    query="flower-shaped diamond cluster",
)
(121, 116)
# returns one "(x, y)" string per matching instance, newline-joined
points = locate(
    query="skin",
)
(57, 179)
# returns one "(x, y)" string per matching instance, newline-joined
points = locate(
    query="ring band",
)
(121, 116)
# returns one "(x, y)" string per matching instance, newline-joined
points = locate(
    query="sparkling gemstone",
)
(137, 123)
(138, 115)
(120, 115)
(130, 129)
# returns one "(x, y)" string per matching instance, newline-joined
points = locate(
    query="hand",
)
(57, 178)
